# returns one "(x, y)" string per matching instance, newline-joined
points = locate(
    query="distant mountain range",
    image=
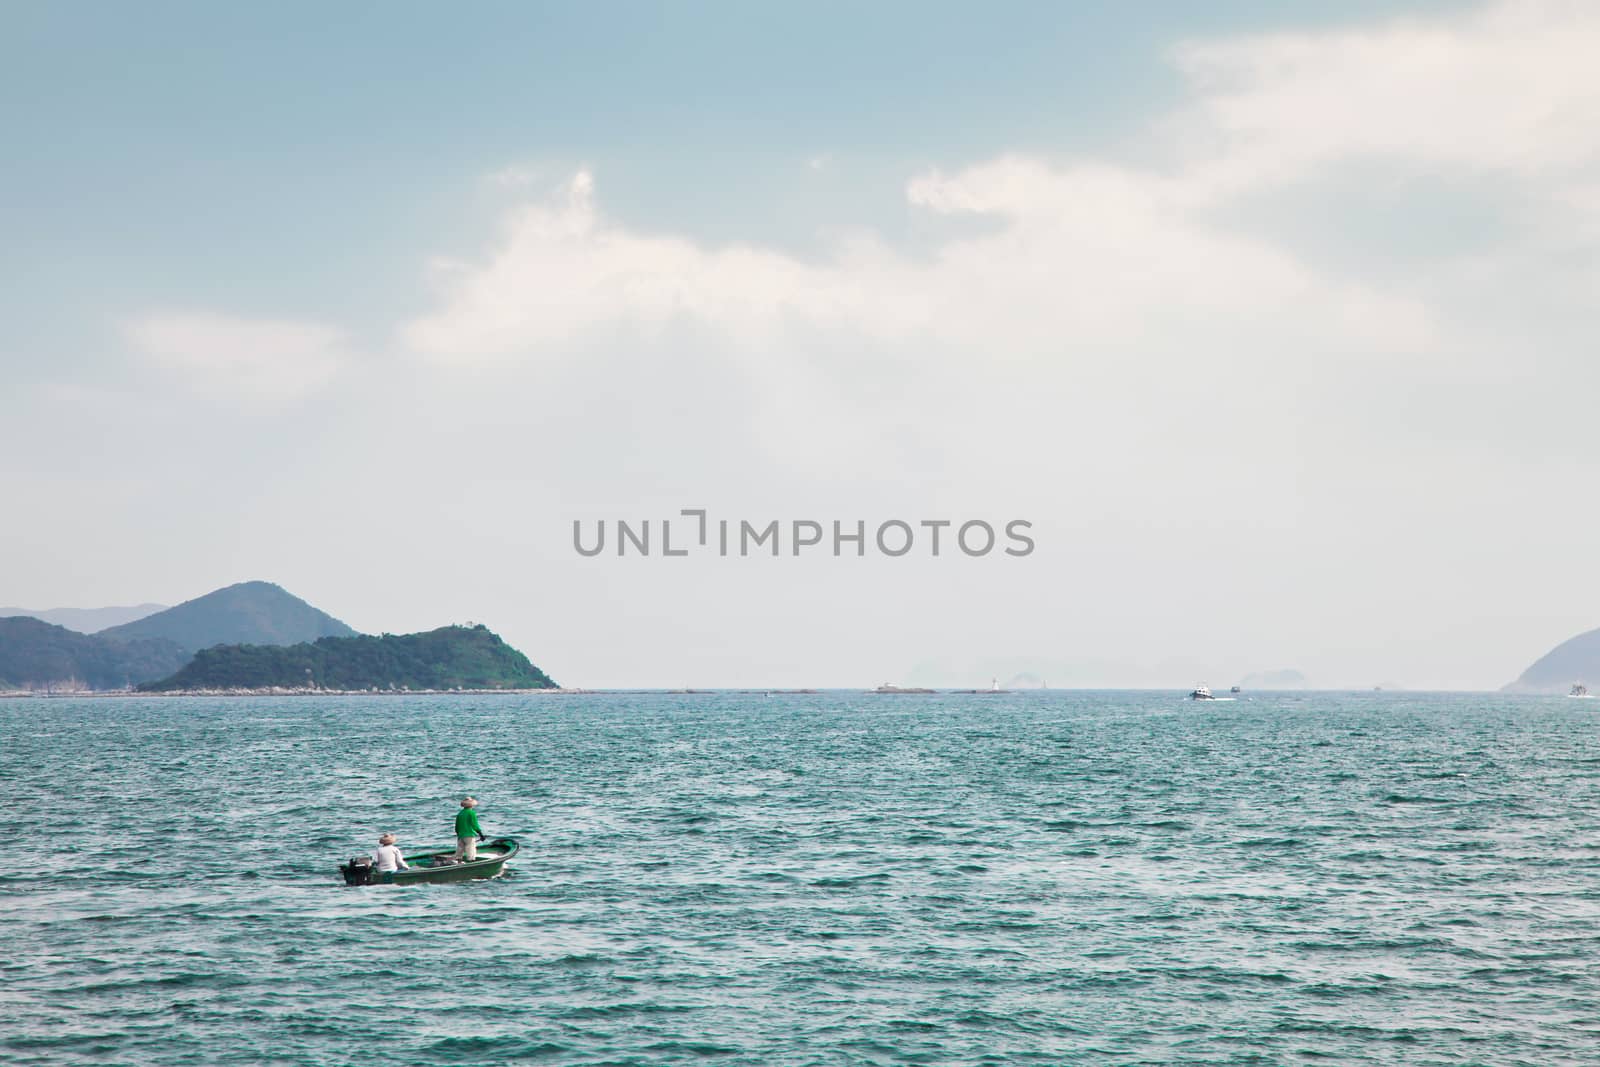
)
(250, 613)
(86, 620)
(34, 654)
(249, 636)
(1576, 659)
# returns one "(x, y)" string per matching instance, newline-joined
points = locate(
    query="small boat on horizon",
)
(434, 865)
(1578, 690)
(1200, 692)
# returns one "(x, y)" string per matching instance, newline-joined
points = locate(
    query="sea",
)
(1047, 877)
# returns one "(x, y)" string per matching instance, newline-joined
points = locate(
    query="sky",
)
(1276, 323)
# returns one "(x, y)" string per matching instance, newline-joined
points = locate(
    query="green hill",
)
(36, 655)
(250, 613)
(448, 658)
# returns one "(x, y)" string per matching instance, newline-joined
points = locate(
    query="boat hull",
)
(436, 865)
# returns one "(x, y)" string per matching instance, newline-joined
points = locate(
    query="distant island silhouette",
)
(86, 620)
(1574, 661)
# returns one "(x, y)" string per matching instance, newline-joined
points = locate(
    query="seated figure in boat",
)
(388, 857)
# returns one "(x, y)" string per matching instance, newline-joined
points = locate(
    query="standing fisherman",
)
(468, 832)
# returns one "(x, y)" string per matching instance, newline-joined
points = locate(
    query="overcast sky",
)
(1278, 324)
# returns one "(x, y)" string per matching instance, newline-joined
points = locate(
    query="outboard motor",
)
(358, 871)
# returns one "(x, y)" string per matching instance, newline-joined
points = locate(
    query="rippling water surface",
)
(840, 878)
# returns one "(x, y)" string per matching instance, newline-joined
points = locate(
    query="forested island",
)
(37, 655)
(451, 657)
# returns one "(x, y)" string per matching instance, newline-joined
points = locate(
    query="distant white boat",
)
(1201, 693)
(1579, 690)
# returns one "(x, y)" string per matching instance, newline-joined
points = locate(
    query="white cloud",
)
(562, 269)
(1087, 254)
(1099, 252)
(260, 360)
(1511, 87)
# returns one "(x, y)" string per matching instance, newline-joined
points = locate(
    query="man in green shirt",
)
(468, 832)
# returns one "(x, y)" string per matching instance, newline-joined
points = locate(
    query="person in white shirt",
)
(388, 857)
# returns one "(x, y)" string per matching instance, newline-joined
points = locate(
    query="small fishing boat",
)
(1200, 692)
(1578, 690)
(434, 865)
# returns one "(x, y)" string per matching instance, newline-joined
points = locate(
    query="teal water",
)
(835, 879)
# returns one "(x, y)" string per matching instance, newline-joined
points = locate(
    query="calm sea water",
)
(835, 879)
